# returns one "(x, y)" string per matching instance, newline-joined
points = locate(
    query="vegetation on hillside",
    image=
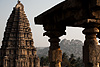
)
(67, 46)
(67, 61)
(72, 54)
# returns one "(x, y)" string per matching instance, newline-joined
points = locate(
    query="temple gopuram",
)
(73, 13)
(17, 48)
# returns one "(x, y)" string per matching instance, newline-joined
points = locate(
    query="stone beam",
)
(69, 12)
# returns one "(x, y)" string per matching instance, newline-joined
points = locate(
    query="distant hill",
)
(67, 46)
(42, 52)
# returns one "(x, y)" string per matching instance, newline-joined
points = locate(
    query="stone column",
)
(28, 62)
(55, 54)
(5, 61)
(16, 63)
(90, 45)
(36, 62)
(54, 32)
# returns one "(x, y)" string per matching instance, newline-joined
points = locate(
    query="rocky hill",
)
(67, 46)
(43, 51)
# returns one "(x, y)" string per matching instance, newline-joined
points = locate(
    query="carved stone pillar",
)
(5, 61)
(55, 54)
(90, 46)
(36, 63)
(16, 63)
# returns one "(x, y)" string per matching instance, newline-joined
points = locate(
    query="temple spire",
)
(18, 37)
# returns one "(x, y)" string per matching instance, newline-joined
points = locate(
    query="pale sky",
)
(32, 9)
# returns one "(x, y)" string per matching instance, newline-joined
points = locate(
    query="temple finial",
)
(18, 1)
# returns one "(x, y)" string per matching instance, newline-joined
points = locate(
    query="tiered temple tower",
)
(17, 48)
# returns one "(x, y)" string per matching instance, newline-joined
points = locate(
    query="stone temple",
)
(17, 48)
(73, 13)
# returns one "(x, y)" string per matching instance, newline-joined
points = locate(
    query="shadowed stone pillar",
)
(55, 54)
(5, 61)
(90, 51)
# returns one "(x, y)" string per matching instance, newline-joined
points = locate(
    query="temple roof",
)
(18, 32)
(19, 5)
(17, 45)
(75, 13)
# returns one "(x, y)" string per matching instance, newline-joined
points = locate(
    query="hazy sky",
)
(32, 9)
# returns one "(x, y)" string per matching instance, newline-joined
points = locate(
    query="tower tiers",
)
(17, 48)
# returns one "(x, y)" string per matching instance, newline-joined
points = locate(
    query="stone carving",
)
(74, 13)
(17, 48)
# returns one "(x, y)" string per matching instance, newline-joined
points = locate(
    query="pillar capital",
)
(54, 30)
(91, 30)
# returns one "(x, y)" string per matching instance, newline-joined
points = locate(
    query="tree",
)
(44, 61)
(71, 61)
(65, 61)
(79, 62)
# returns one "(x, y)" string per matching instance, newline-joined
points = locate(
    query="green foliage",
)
(70, 61)
(44, 61)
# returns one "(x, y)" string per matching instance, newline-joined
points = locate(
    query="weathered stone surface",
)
(17, 48)
(74, 13)
(70, 12)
